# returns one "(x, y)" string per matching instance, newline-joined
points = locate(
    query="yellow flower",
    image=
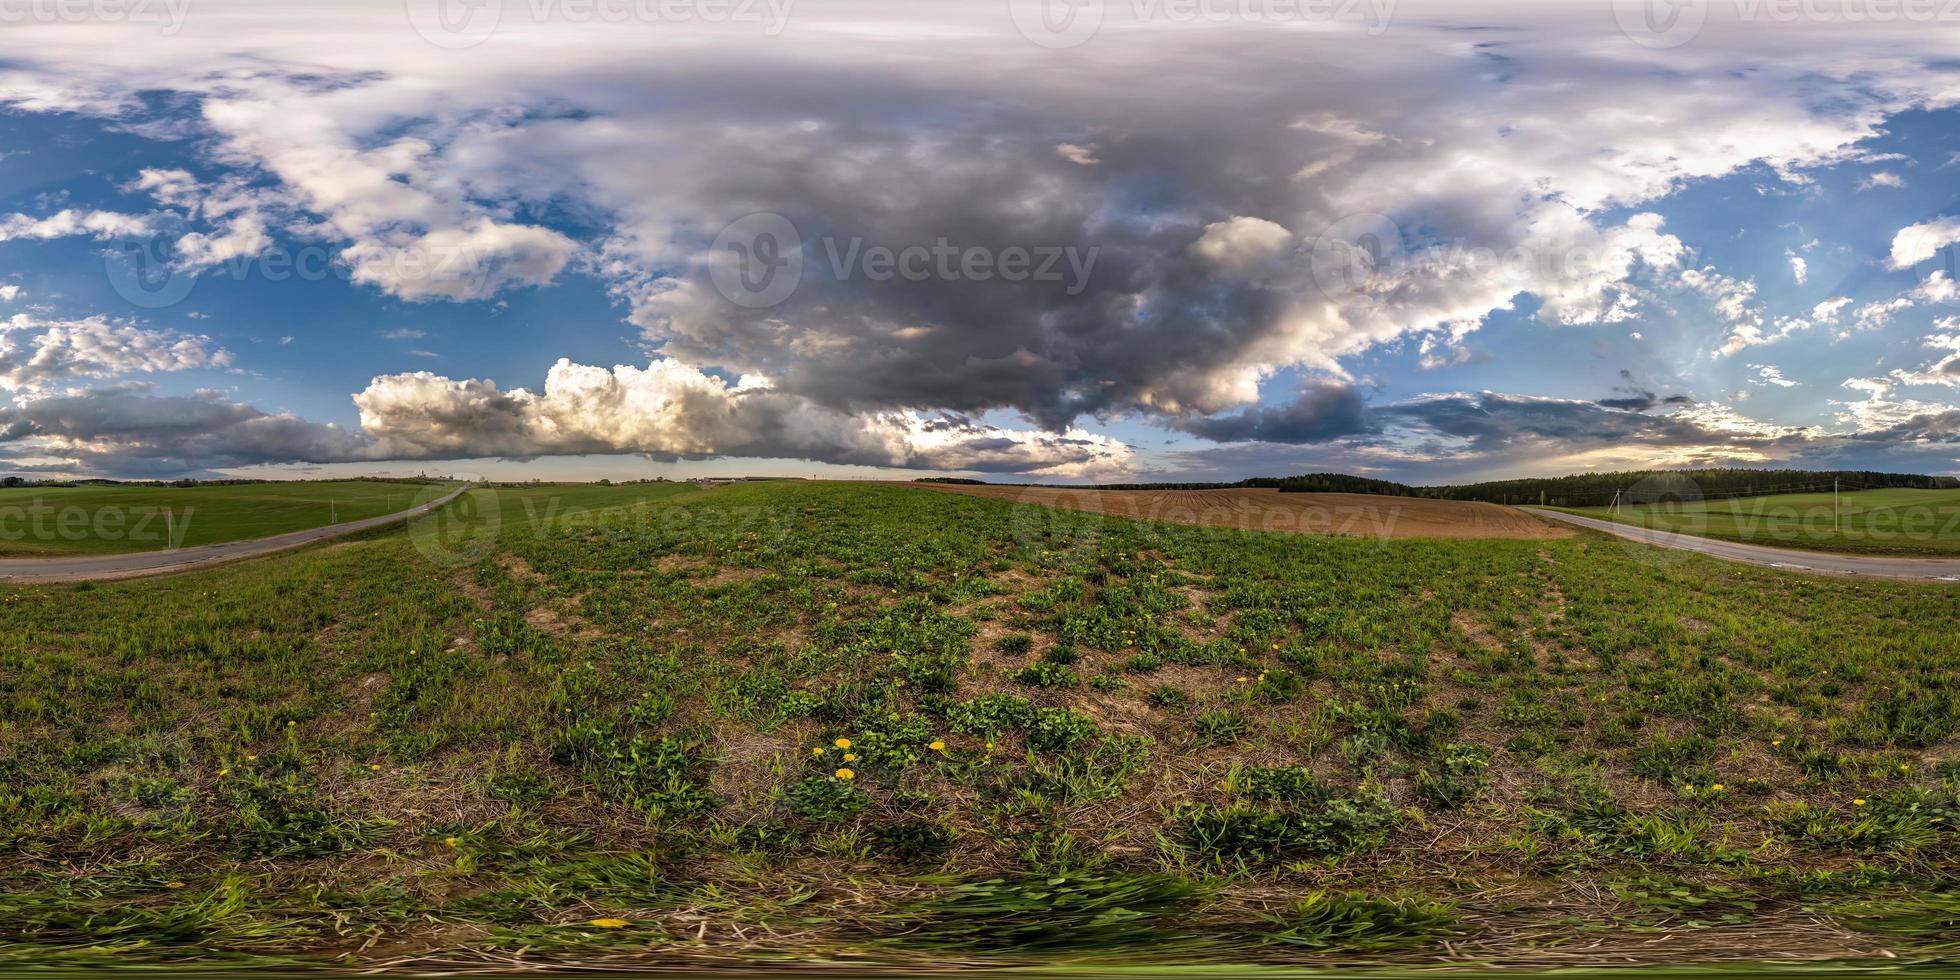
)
(1717, 787)
(451, 841)
(850, 757)
(937, 746)
(1242, 678)
(610, 923)
(846, 774)
(251, 758)
(842, 743)
(1857, 802)
(173, 884)
(817, 751)
(224, 772)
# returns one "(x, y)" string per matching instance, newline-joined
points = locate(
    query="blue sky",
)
(1249, 246)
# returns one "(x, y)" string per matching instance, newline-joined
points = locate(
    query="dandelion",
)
(609, 923)
(291, 724)
(1242, 678)
(1857, 802)
(451, 841)
(817, 751)
(224, 772)
(251, 758)
(374, 767)
(1717, 787)
(937, 745)
(850, 757)
(842, 743)
(846, 774)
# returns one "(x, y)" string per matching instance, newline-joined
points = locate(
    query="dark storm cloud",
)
(1319, 413)
(1640, 400)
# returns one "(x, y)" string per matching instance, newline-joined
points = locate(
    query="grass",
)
(775, 722)
(89, 520)
(1916, 523)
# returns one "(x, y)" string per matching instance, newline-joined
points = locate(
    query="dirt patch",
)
(1351, 514)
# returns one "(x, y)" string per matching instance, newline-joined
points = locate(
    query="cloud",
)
(1828, 310)
(1319, 413)
(1917, 243)
(598, 148)
(37, 353)
(665, 410)
(1640, 400)
(669, 409)
(74, 222)
(1799, 267)
(475, 261)
(1078, 154)
(1770, 374)
(1882, 178)
(1240, 244)
(125, 431)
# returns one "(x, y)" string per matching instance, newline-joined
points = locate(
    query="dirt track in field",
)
(1354, 514)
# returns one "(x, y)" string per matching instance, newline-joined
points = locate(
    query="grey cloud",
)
(1320, 413)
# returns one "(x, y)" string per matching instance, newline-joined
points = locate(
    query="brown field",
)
(1354, 514)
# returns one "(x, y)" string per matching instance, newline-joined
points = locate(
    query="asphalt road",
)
(1923, 569)
(90, 567)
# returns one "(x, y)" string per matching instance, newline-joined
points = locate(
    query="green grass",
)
(88, 520)
(1919, 523)
(772, 723)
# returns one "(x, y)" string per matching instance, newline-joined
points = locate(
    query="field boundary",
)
(145, 563)
(1789, 559)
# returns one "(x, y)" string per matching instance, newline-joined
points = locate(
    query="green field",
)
(772, 724)
(1924, 523)
(46, 521)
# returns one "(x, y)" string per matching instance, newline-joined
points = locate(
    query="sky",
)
(1024, 240)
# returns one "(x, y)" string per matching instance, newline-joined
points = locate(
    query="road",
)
(95, 567)
(1922, 569)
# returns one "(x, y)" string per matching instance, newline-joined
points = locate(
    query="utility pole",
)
(1614, 507)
